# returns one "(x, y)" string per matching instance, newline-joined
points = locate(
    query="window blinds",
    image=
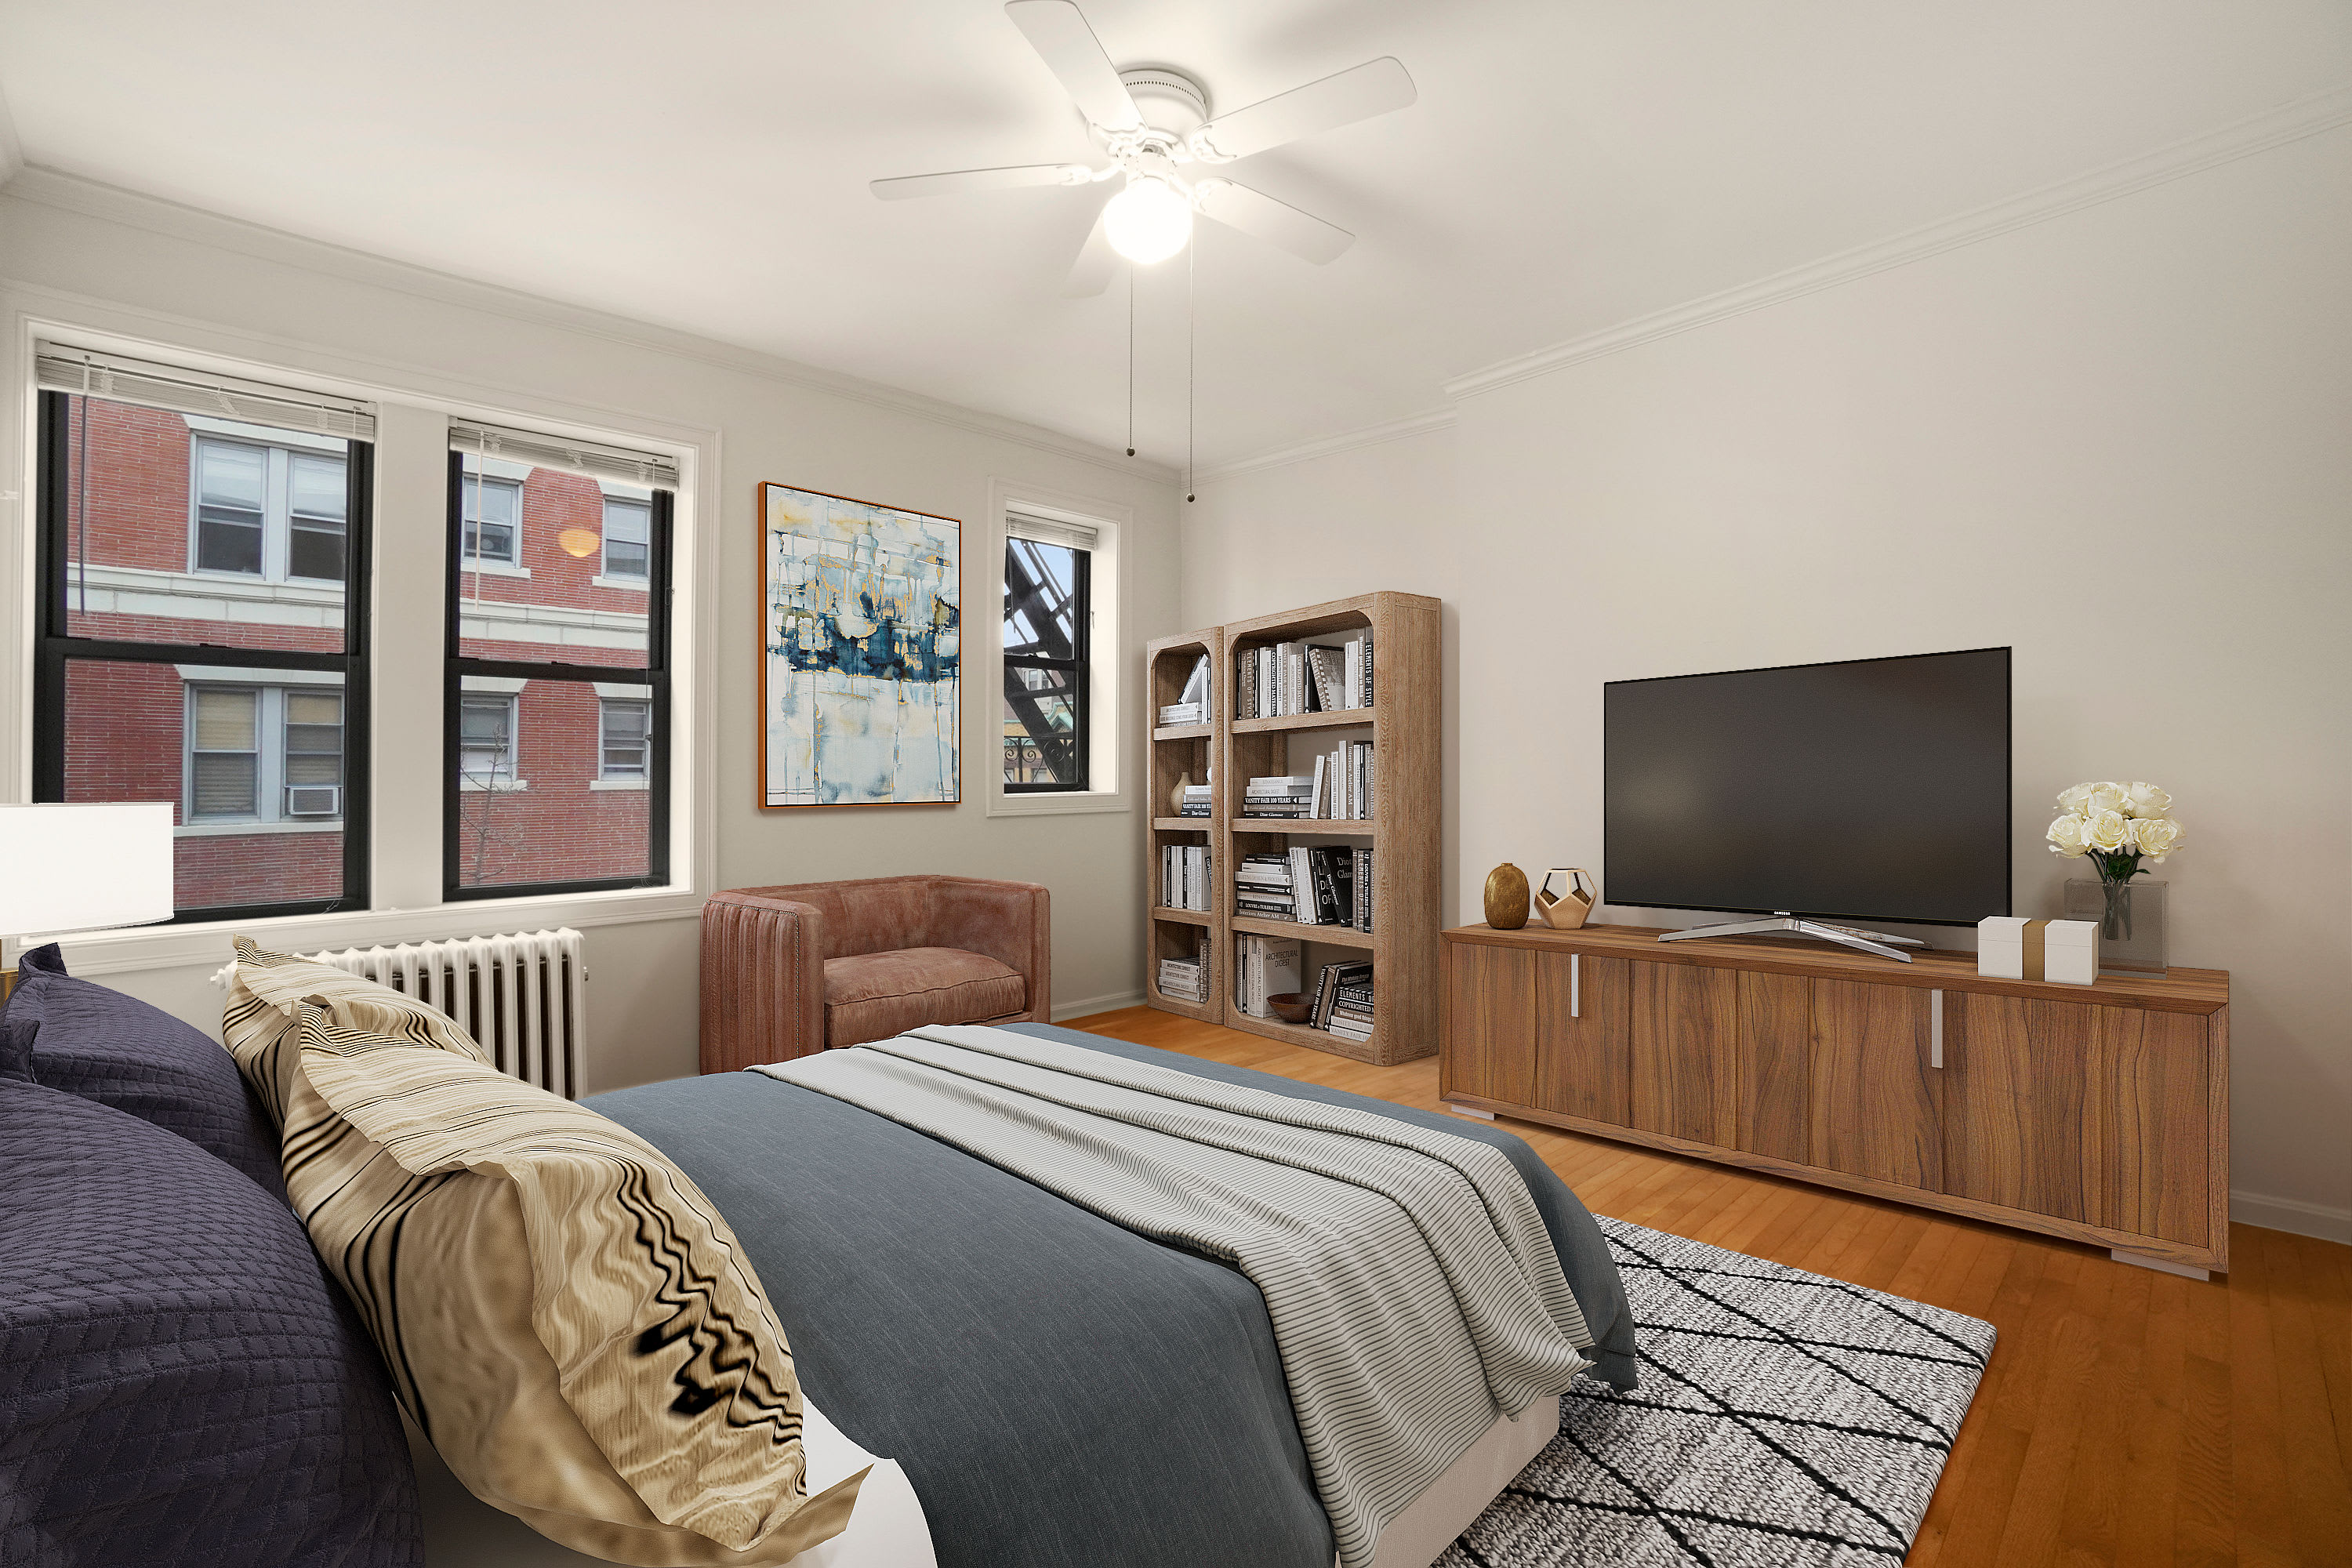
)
(1046, 531)
(542, 450)
(58, 367)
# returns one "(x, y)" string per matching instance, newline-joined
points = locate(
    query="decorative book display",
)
(1318, 733)
(1191, 705)
(2011, 948)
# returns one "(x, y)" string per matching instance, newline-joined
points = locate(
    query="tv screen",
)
(1875, 789)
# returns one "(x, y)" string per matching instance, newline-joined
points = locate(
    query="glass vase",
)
(2130, 916)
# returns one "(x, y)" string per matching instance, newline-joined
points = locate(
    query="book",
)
(1264, 966)
(1326, 670)
(1182, 713)
(1330, 980)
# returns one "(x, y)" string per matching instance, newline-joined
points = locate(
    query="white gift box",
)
(2013, 948)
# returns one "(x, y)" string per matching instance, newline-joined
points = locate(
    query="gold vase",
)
(1507, 897)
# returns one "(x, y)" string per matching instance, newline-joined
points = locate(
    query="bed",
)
(1048, 1388)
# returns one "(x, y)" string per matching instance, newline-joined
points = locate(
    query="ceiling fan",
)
(1154, 125)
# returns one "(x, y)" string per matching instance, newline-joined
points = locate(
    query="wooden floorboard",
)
(2128, 1417)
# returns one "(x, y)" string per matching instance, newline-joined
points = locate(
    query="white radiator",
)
(523, 998)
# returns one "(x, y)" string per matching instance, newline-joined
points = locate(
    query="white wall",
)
(79, 253)
(2119, 441)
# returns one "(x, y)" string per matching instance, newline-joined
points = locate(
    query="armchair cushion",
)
(873, 996)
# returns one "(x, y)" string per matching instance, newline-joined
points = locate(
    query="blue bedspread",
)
(1060, 1391)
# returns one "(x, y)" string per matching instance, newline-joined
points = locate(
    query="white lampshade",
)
(81, 867)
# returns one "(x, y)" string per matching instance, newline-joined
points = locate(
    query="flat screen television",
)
(1873, 789)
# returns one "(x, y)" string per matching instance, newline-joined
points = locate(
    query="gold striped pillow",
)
(264, 990)
(564, 1314)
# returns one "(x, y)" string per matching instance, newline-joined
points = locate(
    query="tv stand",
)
(1881, 942)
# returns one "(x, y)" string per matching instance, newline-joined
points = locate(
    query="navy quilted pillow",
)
(180, 1381)
(104, 1045)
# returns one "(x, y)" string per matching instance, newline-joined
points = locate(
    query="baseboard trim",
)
(1110, 1004)
(2291, 1214)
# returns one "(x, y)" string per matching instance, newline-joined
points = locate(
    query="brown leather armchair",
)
(789, 971)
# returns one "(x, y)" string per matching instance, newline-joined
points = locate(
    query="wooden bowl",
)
(1292, 1007)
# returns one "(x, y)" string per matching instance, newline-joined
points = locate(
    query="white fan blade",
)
(1276, 223)
(962, 182)
(1353, 95)
(1057, 30)
(1091, 273)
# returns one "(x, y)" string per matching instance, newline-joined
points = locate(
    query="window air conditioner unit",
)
(314, 800)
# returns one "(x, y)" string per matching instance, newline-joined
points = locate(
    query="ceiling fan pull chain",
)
(1191, 251)
(1130, 361)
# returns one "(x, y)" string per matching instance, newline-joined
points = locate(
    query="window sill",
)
(1073, 803)
(492, 786)
(247, 829)
(493, 568)
(627, 584)
(617, 784)
(162, 947)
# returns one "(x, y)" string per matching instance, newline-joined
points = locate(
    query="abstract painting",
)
(859, 672)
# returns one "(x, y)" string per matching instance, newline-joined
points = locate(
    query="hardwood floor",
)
(2128, 1417)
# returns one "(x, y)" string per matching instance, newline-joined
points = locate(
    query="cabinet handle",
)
(1935, 1029)
(1575, 987)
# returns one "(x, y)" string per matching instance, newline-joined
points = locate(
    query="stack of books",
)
(1196, 801)
(1264, 966)
(1342, 790)
(1319, 677)
(1192, 706)
(1291, 796)
(1343, 1000)
(1184, 872)
(1187, 979)
(1307, 885)
(1262, 889)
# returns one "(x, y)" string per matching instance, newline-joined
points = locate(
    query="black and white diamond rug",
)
(1782, 1419)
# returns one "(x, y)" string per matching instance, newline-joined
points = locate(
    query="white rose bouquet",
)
(2117, 825)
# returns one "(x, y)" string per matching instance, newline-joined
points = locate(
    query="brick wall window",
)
(557, 678)
(627, 733)
(493, 520)
(201, 627)
(628, 533)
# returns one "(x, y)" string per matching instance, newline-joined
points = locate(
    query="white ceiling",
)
(1570, 165)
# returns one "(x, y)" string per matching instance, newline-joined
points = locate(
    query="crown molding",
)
(73, 194)
(2293, 122)
(1326, 446)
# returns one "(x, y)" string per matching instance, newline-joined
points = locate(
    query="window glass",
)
(1045, 624)
(486, 738)
(232, 485)
(560, 604)
(314, 546)
(493, 520)
(628, 739)
(539, 817)
(253, 759)
(179, 529)
(224, 772)
(628, 533)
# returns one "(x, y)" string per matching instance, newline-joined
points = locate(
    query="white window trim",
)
(494, 565)
(1107, 763)
(625, 781)
(276, 503)
(269, 756)
(404, 909)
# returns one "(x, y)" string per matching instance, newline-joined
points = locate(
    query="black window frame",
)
(1076, 663)
(55, 650)
(655, 675)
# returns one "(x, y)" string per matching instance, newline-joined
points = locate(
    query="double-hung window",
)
(493, 520)
(1048, 638)
(558, 680)
(201, 622)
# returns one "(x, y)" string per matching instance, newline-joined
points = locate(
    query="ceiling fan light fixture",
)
(1149, 221)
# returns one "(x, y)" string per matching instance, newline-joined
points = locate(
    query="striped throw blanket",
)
(1412, 1288)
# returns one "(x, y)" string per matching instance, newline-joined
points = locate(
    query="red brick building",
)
(188, 531)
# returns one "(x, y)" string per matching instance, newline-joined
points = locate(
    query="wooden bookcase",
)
(1170, 754)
